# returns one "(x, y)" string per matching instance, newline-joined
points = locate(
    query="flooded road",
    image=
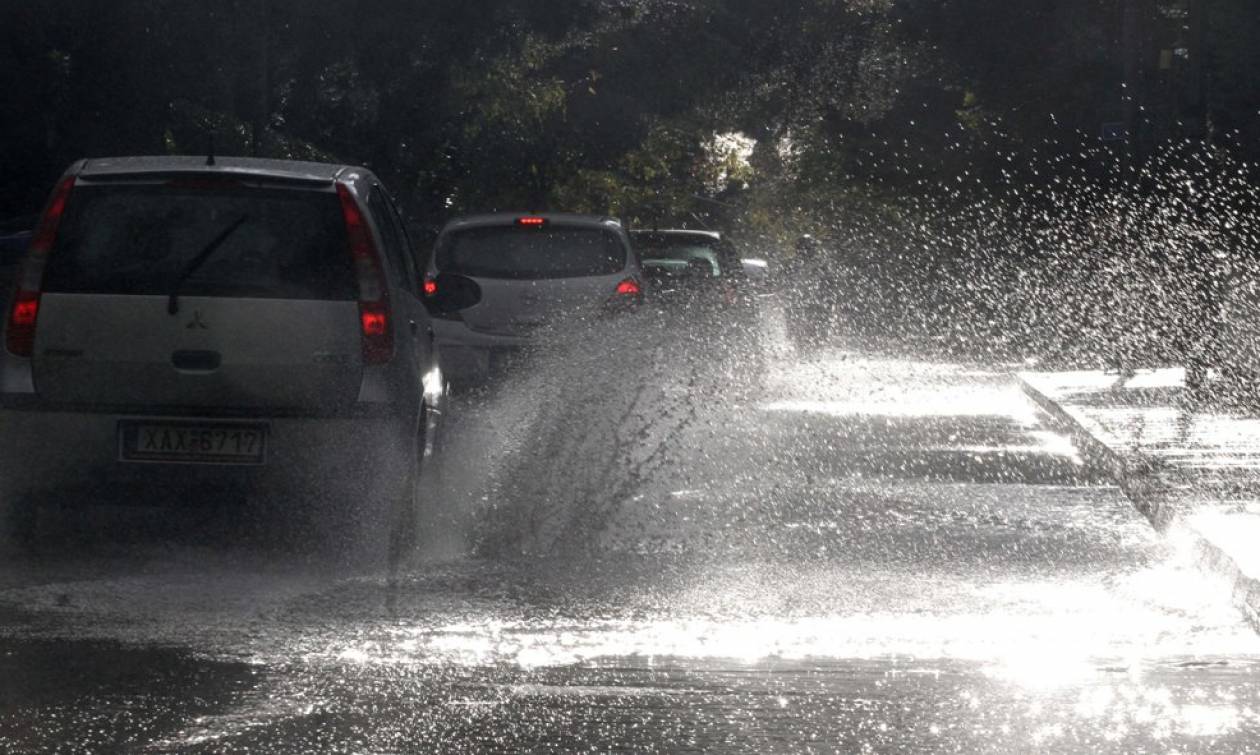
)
(649, 548)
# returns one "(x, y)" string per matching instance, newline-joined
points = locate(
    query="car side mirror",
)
(449, 293)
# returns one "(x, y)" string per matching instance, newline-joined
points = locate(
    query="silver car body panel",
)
(511, 309)
(294, 365)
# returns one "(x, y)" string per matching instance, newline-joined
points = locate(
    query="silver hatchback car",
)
(196, 328)
(494, 280)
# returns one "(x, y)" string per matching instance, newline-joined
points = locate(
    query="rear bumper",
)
(75, 455)
(467, 355)
(453, 333)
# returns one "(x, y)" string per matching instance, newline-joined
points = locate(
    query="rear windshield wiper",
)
(172, 305)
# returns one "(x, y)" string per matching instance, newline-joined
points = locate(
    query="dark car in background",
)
(185, 329)
(686, 268)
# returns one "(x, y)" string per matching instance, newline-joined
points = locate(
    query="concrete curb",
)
(1142, 479)
(1146, 483)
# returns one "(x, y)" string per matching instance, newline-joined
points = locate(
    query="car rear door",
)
(414, 319)
(200, 294)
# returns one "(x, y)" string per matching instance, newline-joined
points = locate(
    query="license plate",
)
(192, 442)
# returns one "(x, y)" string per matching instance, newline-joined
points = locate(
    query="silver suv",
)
(190, 328)
(494, 280)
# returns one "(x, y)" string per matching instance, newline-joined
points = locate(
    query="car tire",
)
(406, 509)
(350, 518)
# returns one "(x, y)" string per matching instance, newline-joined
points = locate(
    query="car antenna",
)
(210, 157)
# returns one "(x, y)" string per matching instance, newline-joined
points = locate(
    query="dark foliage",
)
(610, 105)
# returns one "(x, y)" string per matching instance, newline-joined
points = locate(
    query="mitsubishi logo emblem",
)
(197, 323)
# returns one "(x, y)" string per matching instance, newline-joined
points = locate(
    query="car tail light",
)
(629, 287)
(627, 296)
(375, 321)
(532, 221)
(24, 310)
(375, 316)
(446, 295)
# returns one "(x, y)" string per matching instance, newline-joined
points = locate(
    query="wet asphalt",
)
(662, 547)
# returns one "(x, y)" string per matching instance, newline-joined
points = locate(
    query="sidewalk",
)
(1188, 469)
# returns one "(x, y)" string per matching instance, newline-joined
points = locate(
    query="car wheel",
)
(404, 528)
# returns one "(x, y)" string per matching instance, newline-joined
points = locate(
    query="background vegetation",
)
(907, 133)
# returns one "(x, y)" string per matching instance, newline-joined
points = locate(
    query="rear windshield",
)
(672, 255)
(140, 239)
(532, 253)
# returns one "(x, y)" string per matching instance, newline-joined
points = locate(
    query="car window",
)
(392, 235)
(681, 258)
(408, 248)
(531, 253)
(674, 254)
(731, 261)
(137, 240)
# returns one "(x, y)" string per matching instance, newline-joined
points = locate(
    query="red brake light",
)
(374, 311)
(629, 287)
(46, 235)
(532, 221)
(378, 334)
(430, 287)
(24, 310)
(374, 323)
(20, 337)
(361, 245)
